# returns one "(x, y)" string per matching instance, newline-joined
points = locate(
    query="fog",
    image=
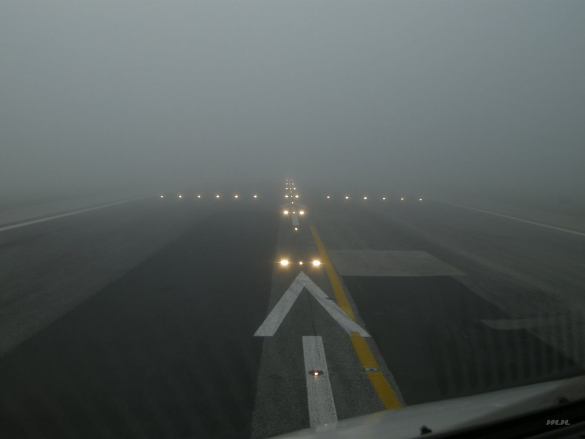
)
(434, 97)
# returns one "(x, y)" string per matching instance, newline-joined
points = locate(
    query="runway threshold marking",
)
(63, 215)
(320, 396)
(535, 223)
(363, 351)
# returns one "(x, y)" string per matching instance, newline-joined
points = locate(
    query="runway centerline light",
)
(284, 262)
(316, 262)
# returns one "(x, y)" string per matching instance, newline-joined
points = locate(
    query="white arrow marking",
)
(320, 397)
(269, 327)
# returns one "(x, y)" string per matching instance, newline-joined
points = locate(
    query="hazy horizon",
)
(429, 97)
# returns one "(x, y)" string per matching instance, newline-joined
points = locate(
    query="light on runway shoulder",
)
(285, 212)
(301, 212)
(316, 263)
(286, 196)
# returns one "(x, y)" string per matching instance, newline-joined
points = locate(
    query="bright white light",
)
(285, 212)
(162, 196)
(255, 196)
(328, 196)
(316, 262)
(296, 228)
(420, 199)
(402, 199)
(347, 198)
(284, 262)
(300, 262)
(292, 202)
(236, 196)
(217, 196)
(383, 198)
(180, 196)
(365, 198)
(286, 196)
(294, 211)
(296, 196)
(301, 212)
(198, 196)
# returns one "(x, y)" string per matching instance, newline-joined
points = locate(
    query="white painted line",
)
(295, 220)
(525, 323)
(331, 307)
(560, 229)
(49, 218)
(271, 324)
(320, 397)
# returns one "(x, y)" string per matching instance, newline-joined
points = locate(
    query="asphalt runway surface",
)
(144, 319)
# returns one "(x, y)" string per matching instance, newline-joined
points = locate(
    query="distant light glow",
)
(328, 196)
(255, 196)
(296, 196)
(383, 198)
(180, 196)
(236, 196)
(285, 212)
(217, 196)
(286, 196)
(301, 212)
(162, 196)
(347, 198)
(296, 229)
(198, 196)
(365, 198)
(420, 199)
(300, 262)
(402, 199)
(316, 262)
(284, 262)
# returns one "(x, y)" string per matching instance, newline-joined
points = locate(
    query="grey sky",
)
(422, 96)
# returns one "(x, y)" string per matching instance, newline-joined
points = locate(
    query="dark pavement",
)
(138, 320)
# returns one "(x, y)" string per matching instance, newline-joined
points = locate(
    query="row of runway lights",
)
(216, 196)
(287, 196)
(366, 197)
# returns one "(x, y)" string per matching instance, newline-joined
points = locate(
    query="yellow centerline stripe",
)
(337, 288)
(360, 345)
